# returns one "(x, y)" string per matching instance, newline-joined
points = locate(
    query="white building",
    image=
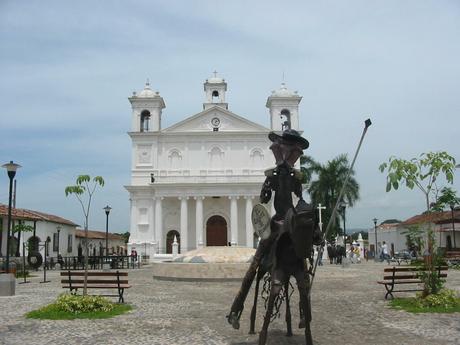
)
(96, 243)
(198, 179)
(57, 232)
(446, 227)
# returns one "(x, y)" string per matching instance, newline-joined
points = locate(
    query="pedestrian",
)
(385, 255)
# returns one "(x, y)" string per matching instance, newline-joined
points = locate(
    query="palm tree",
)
(326, 187)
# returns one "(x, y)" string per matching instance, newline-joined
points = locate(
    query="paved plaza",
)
(348, 308)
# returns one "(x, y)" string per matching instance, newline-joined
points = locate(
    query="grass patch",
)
(70, 307)
(446, 301)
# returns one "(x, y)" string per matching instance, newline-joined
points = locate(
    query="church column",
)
(249, 229)
(183, 224)
(199, 221)
(159, 223)
(133, 226)
(234, 219)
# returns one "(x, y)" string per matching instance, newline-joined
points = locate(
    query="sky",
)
(67, 68)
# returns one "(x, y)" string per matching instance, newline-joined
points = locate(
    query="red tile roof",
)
(98, 235)
(436, 217)
(24, 214)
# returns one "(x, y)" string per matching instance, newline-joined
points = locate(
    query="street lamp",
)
(58, 232)
(452, 207)
(375, 234)
(343, 207)
(107, 211)
(11, 169)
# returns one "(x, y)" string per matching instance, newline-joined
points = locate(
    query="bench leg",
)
(389, 291)
(120, 295)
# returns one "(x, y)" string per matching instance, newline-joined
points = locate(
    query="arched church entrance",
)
(216, 231)
(170, 240)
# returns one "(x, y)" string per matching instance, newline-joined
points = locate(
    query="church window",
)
(175, 159)
(145, 121)
(257, 156)
(216, 156)
(285, 119)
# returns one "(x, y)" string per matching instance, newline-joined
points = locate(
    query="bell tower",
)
(283, 105)
(215, 88)
(147, 107)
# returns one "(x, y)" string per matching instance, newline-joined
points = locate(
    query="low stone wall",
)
(199, 271)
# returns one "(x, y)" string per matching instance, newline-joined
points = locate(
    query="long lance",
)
(367, 123)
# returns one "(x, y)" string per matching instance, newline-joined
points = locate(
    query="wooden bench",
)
(393, 276)
(74, 280)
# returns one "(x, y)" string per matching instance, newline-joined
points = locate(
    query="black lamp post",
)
(58, 232)
(343, 207)
(452, 207)
(11, 169)
(107, 211)
(375, 234)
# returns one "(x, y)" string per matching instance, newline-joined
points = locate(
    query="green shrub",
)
(83, 304)
(445, 299)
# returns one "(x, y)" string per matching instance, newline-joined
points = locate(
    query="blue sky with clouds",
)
(67, 68)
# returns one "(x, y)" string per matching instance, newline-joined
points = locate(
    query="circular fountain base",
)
(206, 264)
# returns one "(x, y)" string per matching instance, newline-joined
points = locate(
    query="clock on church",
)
(215, 121)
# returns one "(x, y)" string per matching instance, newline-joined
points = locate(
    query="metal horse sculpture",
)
(283, 254)
(291, 255)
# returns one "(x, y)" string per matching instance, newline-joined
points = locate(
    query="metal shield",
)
(261, 221)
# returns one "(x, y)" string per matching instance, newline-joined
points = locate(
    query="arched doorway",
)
(216, 231)
(170, 240)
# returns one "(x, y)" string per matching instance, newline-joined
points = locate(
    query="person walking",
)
(385, 255)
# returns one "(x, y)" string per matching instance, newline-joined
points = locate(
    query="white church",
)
(198, 179)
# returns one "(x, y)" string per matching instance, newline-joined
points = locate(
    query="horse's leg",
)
(288, 310)
(303, 287)
(260, 274)
(276, 285)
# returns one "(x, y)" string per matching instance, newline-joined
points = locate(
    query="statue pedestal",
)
(7, 284)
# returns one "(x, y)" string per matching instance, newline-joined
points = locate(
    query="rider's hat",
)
(290, 136)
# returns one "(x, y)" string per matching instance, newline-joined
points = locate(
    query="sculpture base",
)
(206, 264)
(7, 284)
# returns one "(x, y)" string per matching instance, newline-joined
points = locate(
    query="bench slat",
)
(93, 281)
(409, 276)
(412, 269)
(93, 274)
(96, 286)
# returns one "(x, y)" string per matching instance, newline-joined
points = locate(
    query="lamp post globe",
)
(375, 235)
(107, 212)
(11, 168)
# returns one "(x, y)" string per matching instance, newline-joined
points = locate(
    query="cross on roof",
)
(215, 73)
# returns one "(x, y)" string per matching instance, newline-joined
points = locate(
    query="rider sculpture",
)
(300, 221)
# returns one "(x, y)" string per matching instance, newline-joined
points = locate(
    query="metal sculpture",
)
(287, 249)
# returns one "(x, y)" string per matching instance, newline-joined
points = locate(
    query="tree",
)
(326, 187)
(19, 229)
(448, 197)
(419, 172)
(422, 172)
(84, 189)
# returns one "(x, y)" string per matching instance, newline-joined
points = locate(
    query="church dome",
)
(283, 91)
(147, 92)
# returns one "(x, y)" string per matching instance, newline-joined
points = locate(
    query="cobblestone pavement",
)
(348, 308)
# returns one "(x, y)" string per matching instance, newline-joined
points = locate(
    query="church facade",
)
(198, 179)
